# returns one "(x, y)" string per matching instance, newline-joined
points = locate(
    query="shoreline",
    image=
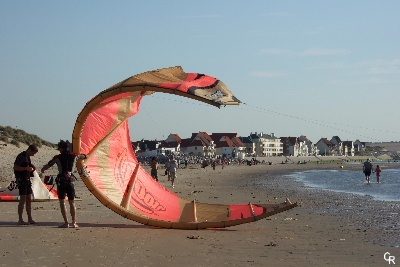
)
(350, 207)
(322, 230)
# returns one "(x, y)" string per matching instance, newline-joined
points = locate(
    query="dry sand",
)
(325, 229)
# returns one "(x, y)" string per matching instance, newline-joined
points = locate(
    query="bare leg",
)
(29, 208)
(21, 204)
(72, 210)
(64, 212)
(173, 179)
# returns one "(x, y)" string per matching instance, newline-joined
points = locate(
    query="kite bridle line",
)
(316, 122)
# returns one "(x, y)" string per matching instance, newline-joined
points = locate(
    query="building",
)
(199, 144)
(312, 149)
(326, 147)
(359, 146)
(340, 149)
(228, 145)
(348, 148)
(147, 148)
(293, 146)
(267, 145)
(249, 146)
(172, 145)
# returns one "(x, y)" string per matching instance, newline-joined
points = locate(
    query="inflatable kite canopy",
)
(113, 174)
(40, 191)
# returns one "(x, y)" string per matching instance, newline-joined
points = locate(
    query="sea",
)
(354, 182)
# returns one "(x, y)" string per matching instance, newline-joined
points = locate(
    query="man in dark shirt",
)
(22, 170)
(65, 162)
(367, 169)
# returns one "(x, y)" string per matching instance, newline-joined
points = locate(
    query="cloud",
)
(382, 66)
(275, 51)
(268, 74)
(202, 16)
(314, 52)
(385, 70)
(278, 14)
(322, 52)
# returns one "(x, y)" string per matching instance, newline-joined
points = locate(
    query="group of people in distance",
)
(23, 171)
(65, 161)
(368, 169)
(171, 168)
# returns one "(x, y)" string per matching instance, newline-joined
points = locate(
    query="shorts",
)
(24, 186)
(66, 189)
(154, 173)
(367, 173)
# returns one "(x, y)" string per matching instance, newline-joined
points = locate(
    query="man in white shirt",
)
(172, 168)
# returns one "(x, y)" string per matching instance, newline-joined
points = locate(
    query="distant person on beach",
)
(367, 169)
(204, 164)
(172, 168)
(23, 171)
(378, 171)
(167, 168)
(154, 168)
(65, 180)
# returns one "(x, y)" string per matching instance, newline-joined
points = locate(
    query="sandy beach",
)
(334, 229)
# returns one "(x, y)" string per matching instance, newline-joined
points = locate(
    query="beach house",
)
(228, 145)
(312, 149)
(359, 146)
(293, 146)
(326, 147)
(249, 146)
(172, 145)
(348, 148)
(266, 145)
(148, 148)
(199, 144)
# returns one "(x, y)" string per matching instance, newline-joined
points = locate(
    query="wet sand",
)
(325, 229)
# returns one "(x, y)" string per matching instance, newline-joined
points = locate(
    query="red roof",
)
(177, 137)
(225, 142)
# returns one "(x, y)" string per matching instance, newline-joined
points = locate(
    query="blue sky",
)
(314, 68)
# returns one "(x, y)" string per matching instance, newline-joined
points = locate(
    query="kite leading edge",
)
(113, 174)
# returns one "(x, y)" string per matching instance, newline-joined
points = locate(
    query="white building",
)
(267, 145)
(312, 149)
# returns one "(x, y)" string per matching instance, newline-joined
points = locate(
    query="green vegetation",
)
(17, 136)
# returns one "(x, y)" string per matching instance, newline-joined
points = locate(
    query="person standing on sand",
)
(172, 168)
(213, 164)
(167, 168)
(367, 169)
(378, 171)
(22, 171)
(65, 180)
(154, 168)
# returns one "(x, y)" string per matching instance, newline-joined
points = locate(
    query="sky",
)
(313, 68)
